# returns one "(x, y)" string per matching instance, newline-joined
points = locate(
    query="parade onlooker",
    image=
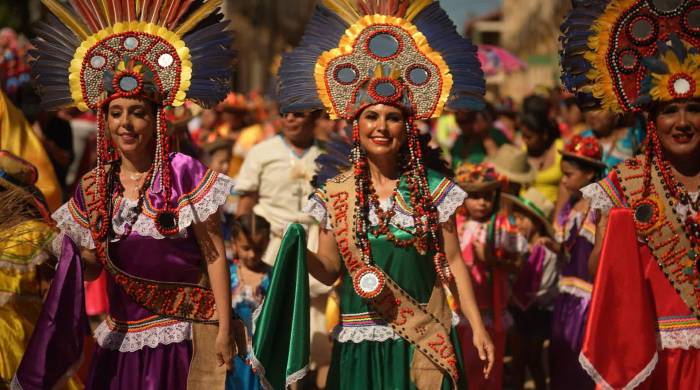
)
(479, 137)
(475, 230)
(534, 289)
(541, 138)
(217, 154)
(575, 228)
(572, 116)
(249, 284)
(618, 138)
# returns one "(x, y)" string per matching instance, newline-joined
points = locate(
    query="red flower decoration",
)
(587, 147)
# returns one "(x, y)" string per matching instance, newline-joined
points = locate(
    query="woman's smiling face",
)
(132, 125)
(382, 130)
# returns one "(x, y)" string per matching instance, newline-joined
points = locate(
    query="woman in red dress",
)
(641, 56)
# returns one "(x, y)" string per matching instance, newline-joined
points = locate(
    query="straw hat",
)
(512, 163)
(477, 178)
(19, 175)
(537, 205)
(584, 149)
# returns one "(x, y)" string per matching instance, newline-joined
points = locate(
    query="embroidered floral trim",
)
(131, 341)
(189, 213)
(448, 204)
(358, 334)
(680, 339)
(636, 381)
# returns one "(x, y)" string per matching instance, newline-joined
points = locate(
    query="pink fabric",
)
(96, 302)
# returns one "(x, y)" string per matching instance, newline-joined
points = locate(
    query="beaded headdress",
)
(622, 55)
(584, 149)
(164, 51)
(356, 53)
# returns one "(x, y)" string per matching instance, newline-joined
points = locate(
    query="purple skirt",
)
(163, 367)
(568, 327)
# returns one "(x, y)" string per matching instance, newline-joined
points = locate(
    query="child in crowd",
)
(217, 154)
(535, 287)
(483, 184)
(249, 283)
(575, 227)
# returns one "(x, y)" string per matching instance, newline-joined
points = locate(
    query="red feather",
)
(155, 11)
(85, 13)
(180, 13)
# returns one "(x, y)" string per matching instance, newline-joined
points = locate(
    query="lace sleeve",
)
(74, 222)
(205, 199)
(316, 208)
(599, 199)
(448, 200)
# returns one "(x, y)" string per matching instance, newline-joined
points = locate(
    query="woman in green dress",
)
(387, 223)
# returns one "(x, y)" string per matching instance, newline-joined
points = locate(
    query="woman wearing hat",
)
(643, 329)
(387, 223)
(535, 286)
(479, 243)
(575, 235)
(147, 217)
(25, 240)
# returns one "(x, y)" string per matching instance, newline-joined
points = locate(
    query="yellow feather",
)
(415, 7)
(345, 9)
(203, 11)
(67, 18)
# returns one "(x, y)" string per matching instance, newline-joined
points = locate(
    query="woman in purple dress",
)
(145, 216)
(575, 227)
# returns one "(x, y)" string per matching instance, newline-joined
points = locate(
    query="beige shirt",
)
(282, 180)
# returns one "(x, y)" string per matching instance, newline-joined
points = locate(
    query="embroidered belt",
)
(154, 321)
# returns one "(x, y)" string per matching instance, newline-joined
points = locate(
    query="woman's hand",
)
(224, 348)
(484, 345)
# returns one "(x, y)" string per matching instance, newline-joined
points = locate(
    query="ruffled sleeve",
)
(73, 221)
(448, 197)
(605, 194)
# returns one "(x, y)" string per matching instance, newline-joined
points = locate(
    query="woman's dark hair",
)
(541, 125)
(250, 225)
(586, 167)
(432, 157)
(537, 106)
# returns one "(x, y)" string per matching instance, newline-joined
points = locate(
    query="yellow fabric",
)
(547, 180)
(18, 137)
(20, 296)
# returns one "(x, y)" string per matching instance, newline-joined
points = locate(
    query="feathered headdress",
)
(165, 51)
(101, 49)
(621, 55)
(355, 53)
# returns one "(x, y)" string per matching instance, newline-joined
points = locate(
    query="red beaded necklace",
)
(675, 188)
